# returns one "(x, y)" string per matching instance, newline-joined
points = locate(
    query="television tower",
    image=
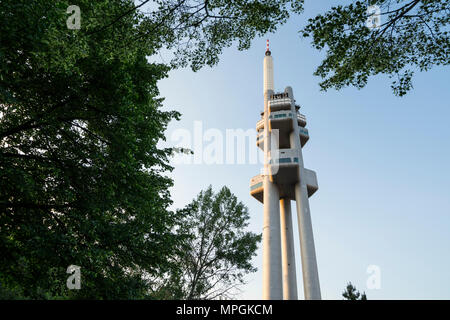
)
(281, 134)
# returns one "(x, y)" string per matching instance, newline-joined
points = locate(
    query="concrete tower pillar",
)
(287, 251)
(310, 273)
(272, 278)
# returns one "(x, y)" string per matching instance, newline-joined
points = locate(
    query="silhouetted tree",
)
(217, 251)
(351, 293)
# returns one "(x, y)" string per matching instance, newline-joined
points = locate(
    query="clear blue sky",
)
(382, 164)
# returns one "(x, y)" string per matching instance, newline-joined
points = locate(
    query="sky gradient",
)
(381, 163)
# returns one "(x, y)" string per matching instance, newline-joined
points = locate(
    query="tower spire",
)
(267, 48)
(268, 71)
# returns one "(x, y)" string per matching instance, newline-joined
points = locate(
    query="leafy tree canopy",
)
(412, 35)
(217, 250)
(81, 178)
(198, 31)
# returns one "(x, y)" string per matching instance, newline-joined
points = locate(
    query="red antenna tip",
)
(267, 48)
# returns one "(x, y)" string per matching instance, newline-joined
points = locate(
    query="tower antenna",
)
(267, 48)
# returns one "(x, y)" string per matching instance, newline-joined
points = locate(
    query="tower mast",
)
(272, 280)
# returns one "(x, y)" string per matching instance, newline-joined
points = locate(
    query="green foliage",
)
(81, 176)
(351, 293)
(204, 28)
(413, 35)
(217, 251)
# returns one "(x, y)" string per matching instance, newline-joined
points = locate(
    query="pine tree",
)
(351, 293)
